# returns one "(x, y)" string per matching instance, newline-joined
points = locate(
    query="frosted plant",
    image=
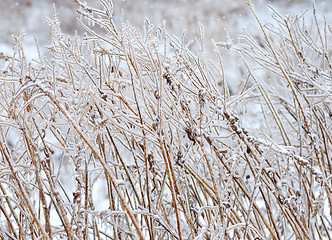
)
(126, 134)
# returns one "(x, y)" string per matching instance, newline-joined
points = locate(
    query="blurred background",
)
(223, 20)
(217, 16)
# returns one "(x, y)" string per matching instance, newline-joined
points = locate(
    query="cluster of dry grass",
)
(134, 117)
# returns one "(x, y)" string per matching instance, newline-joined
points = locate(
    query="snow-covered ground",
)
(217, 17)
(221, 20)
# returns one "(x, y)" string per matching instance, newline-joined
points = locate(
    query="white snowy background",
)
(222, 20)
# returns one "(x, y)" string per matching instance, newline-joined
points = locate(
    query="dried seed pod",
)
(179, 159)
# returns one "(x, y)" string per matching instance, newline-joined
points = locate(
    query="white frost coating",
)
(244, 149)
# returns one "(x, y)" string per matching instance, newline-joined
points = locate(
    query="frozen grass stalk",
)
(127, 134)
